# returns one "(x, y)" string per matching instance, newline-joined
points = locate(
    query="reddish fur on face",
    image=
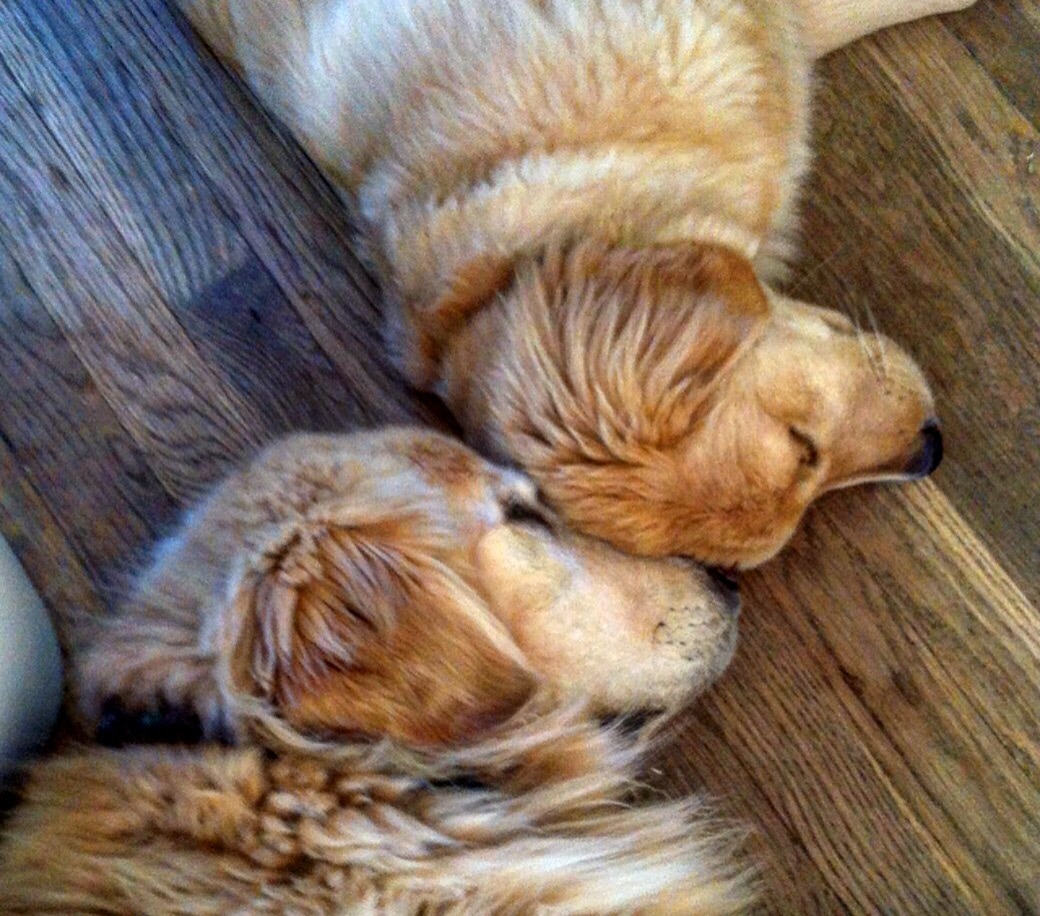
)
(664, 401)
(625, 342)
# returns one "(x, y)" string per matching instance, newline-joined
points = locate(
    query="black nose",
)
(723, 580)
(930, 454)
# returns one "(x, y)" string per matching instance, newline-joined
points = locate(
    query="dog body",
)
(411, 656)
(474, 135)
(576, 210)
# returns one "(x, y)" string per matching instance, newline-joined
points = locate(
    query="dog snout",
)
(930, 451)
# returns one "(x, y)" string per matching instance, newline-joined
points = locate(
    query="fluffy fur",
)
(577, 210)
(395, 583)
(394, 631)
(552, 826)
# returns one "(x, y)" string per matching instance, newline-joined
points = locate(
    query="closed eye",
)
(810, 455)
(520, 513)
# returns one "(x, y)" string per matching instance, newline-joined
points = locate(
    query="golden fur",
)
(278, 583)
(577, 210)
(552, 826)
(398, 633)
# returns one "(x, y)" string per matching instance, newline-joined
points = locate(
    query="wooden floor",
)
(177, 287)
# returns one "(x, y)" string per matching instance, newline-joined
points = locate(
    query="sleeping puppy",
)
(394, 631)
(577, 211)
(277, 586)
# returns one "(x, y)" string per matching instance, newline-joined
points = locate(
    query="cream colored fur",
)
(463, 129)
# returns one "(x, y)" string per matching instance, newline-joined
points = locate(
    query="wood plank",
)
(73, 255)
(941, 649)
(856, 708)
(245, 328)
(174, 227)
(150, 199)
(913, 219)
(60, 433)
(1002, 36)
(289, 216)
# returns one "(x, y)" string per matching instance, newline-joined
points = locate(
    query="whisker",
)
(877, 336)
(861, 338)
(805, 278)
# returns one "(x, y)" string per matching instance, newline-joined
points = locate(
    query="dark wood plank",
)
(64, 583)
(71, 254)
(244, 327)
(286, 212)
(1003, 38)
(174, 234)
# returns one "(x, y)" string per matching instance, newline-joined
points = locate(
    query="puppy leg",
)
(830, 24)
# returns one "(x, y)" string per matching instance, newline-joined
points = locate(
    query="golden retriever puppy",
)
(577, 211)
(393, 629)
(395, 583)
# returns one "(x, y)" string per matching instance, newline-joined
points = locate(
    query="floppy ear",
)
(720, 297)
(626, 343)
(345, 636)
(685, 312)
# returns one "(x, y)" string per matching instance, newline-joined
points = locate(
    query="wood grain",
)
(890, 681)
(68, 442)
(177, 286)
(923, 214)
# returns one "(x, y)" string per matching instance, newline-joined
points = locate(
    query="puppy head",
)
(816, 405)
(668, 403)
(414, 591)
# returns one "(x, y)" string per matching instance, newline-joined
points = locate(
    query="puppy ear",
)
(729, 304)
(682, 315)
(627, 344)
(344, 636)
